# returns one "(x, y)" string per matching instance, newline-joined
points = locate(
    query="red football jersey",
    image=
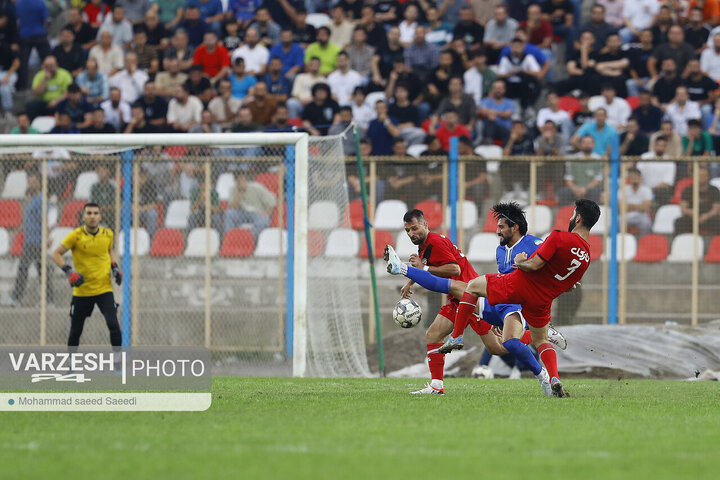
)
(439, 250)
(567, 257)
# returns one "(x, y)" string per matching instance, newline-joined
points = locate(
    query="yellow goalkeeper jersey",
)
(91, 258)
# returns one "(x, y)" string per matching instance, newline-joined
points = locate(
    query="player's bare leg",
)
(435, 334)
(549, 358)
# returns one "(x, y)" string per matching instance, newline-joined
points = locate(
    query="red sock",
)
(464, 313)
(549, 358)
(436, 361)
(526, 338)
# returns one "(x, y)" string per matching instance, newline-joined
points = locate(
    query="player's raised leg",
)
(422, 277)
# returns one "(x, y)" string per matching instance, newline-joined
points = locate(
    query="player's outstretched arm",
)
(531, 264)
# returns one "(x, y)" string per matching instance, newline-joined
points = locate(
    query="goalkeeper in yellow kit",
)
(95, 264)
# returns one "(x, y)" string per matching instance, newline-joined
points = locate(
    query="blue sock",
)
(485, 359)
(522, 352)
(509, 360)
(428, 281)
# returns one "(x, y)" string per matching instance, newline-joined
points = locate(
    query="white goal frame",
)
(300, 142)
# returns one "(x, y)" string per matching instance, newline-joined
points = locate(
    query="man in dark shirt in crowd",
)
(664, 89)
(303, 33)
(98, 124)
(675, 49)
(612, 63)
(638, 56)
(76, 107)
(382, 131)
(648, 115)
(84, 33)
(468, 30)
(517, 174)
(198, 85)
(598, 26)
(320, 113)
(709, 207)
(633, 141)
(138, 122)
(580, 68)
(154, 106)
(701, 88)
(696, 32)
(69, 55)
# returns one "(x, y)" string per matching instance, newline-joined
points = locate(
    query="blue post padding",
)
(126, 226)
(453, 187)
(290, 258)
(614, 228)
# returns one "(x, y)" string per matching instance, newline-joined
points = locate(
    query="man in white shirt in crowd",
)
(184, 110)
(657, 175)
(255, 54)
(362, 113)
(638, 15)
(341, 28)
(117, 111)
(639, 200)
(301, 93)
(408, 25)
(681, 110)
(131, 80)
(552, 112)
(618, 110)
(109, 57)
(120, 28)
(710, 57)
(343, 80)
(478, 78)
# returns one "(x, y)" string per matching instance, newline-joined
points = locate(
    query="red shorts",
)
(501, 289)
(448, 310)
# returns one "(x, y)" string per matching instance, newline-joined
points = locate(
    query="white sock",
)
(437, 384)
(403, 268)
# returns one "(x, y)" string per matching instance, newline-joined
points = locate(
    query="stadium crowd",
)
(533, 78)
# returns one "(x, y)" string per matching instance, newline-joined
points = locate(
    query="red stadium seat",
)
(433, 213)
(570, 105)
(316, 243)
(490, 223)
(356, 214)
(382, 238)
(10, 214)
(295, 122)
(176, 151)
(17, 244)
(596, 247)
(562, 219)
(238, 243)
(713, 255)
(652, 249)
(634, 102)
(270, 181)
(168, 242)
(680, 186)
(70, 213)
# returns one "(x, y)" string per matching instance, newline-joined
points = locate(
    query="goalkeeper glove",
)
(116, 272)
(76, 279)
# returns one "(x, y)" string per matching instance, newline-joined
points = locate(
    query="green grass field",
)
(360, 428)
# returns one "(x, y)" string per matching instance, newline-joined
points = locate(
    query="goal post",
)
(296, 185)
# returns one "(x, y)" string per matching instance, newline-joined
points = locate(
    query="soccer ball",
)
(407, 313)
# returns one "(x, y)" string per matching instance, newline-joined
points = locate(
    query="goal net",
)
(227, 241)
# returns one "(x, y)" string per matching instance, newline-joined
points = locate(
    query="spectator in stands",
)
(9, 65)
(648, 115)
(23, 126)
(611, 64)
(250, 202)
(95, 11)
(709, 207)
(157, 35)
(32, 243)
(93, 84)
(224, 107)
(674, 141)
(710, 57)
(31, 16)
(438, 31)
(638, 57)
(138, 122)
(268, 30)
(407, 116)
(119, 27)
(84, 33)
(130, 80)
(529, 49)
(449, 128)
(245, 122)
(561, 15)
(320, 113)
(675, 49)
(497, 111)
(583, 179)
(64, 124)
(207, 124)
(639, 199)
(468, 30)
(479, 78)
(154, 106)
(598, 26)
(135, 10)
(461, 102)
(69, 55)
(9, 35)
(516, 175)
(77, 108)
(198, 85)
(147, 202)
(362, 113)
(559, 117)
(289, 53)
(49, 87)
(170, 12)
(539, 30)
(422, 57)
(613, 12)
(280, 120)
(697, 142)
(255, 54)
(302, 87)
(360, 53)
(549, 174)
(109, 57)
(681, 110)
(605, 137)
(638, 16)
(341, 28)
(103, 193)
(197, 207)
(385, 57)
(278, 85)
(659, 176)
(184, 110)
(180, 49)
(666, 85)
(499, 31)
(167, 81)
(580, 68)
(145, 53)
(342, 121)
(618, 110)
(324, 50)
(193, 26)
(522, 74)
(584, 115)
(701, 88)
(352, 8)
(343, 80)
(99, 125)
(117, 111)
(303, 33)
(633, 141)
(382, 131)
(212, 57)
(696, 31)
(408, 25)
(436, 85)
(262, 105)
(241, 10)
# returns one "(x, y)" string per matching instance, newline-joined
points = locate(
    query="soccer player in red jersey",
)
(439, 256)
(555, 267)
